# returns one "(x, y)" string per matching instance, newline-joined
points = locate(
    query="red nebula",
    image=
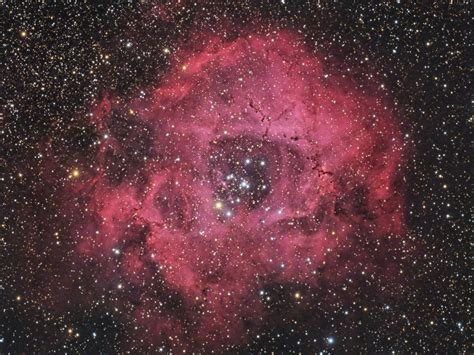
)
(246, 165)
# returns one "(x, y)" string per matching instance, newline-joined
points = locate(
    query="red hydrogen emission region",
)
(246, 165)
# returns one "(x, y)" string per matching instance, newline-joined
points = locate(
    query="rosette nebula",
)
(248, 165)
(235, 177)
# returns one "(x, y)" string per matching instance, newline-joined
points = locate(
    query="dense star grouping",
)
(235, 178)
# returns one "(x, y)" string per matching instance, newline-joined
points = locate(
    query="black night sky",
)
(235, 177)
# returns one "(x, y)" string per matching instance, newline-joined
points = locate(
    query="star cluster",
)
(235, 177)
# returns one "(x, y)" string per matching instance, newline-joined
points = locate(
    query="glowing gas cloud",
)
(246, 165)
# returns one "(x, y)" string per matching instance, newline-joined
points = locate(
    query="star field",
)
(235, 177)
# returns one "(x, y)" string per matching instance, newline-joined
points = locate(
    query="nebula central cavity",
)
(246, 165)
